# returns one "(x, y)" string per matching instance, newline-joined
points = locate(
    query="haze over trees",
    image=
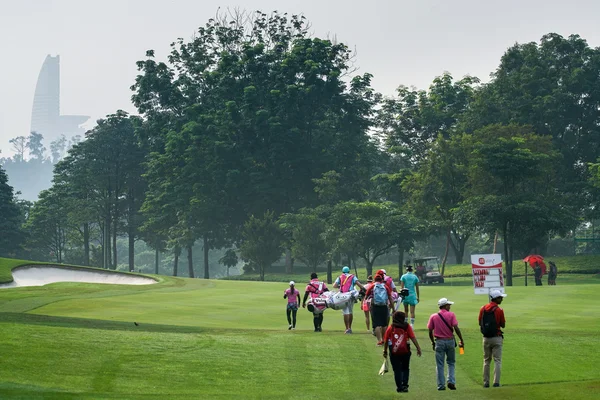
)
(256, 139)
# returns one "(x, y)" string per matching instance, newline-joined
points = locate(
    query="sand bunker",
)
(38, 275)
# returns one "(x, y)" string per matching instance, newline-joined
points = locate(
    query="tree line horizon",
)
(257, 138)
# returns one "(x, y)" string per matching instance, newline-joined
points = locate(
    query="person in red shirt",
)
(380, 307)
(394, 338)
(492, 346)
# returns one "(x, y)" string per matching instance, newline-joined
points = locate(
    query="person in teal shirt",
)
(411, 282)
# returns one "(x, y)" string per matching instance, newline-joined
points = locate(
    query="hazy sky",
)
(399, 41)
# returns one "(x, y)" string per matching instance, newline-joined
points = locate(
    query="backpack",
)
(488, 325)
(399, 341)
(380, 295)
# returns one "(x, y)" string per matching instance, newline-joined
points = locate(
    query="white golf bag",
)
(333, 300)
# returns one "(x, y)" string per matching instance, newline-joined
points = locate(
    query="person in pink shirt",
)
(442, 326)
(315, 288)
(293, 297)
(366, 305)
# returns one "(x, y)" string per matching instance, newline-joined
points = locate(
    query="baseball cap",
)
(292, 283)
(383, 270)
(443, 301)
(494, 294)
(345, 270)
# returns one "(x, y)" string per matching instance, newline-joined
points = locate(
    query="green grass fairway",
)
(206, 339)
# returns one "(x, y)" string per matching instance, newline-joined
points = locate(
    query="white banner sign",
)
(487, 273)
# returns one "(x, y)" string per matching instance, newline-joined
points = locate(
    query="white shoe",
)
(293, 328)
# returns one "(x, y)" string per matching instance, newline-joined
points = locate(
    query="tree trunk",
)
(400, 260)
(329, 272)
(495, 242)
(176, 261)
(106, 243)
(355, 270)
(114, 246)
(459, 246)
(288, 261)
(446, 252)
(506, 255)
(131, 231)
(509, 264)
(206, 267)
(131, 249)
(369, 267)
(190, 262)
(156, 254)
(86, 244)
(262, 272)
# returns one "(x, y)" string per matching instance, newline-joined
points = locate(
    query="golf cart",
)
(427, 270)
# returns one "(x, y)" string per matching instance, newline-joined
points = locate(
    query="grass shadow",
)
(85, 323)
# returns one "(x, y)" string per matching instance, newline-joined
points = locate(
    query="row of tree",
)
(256, 137)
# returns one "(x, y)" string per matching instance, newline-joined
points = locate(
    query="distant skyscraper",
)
(45, 115)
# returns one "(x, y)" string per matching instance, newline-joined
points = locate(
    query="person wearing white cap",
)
(491, 323)
(293, 297)
(442, 326)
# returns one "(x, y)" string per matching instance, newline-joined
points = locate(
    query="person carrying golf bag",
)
(315, 288)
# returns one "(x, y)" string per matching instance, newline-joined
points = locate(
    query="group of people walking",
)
(379, 304)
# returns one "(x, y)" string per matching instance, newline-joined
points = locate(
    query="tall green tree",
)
(411, 121)
(263, 242)
(370, 229)
(256, 109)
(439, 186)
(512, 174)
(552, 85)
(48, 224)
(10, 218)
(308, 242)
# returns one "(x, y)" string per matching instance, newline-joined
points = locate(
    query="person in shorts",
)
(366, 305)
(293, 297)
(411, 282)
(346, 282)
(380, 312)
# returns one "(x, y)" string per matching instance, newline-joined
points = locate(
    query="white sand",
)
(35, 275)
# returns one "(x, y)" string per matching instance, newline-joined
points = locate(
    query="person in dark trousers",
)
(293, 297)
(315, 288)
(400, 358)
(537, 272)
(492, 344)
(552, 274)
